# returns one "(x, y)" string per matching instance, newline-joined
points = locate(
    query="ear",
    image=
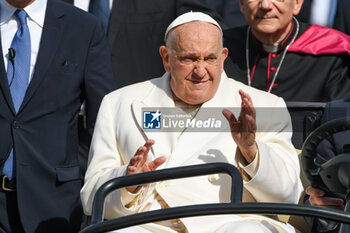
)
(223, 58)
(224, 53)
(241, 6)
(163, 51)
(297, 6)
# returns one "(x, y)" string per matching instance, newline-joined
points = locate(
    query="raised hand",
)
(243, 129)
(139, 163)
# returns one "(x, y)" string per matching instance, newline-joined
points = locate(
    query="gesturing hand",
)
(243, 130)
(139, 163)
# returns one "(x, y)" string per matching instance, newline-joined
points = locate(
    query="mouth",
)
(266, 17)
(198, 81)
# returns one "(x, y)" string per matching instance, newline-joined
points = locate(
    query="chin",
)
(266, 28)
(196, 100)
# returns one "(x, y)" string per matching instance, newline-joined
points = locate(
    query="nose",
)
(199, 69)
(266, 4)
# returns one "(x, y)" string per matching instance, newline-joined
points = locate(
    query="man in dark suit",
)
(71, 64)
(338, 143)
(135, 33)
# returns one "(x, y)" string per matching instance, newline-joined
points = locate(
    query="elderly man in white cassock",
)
(194, 82)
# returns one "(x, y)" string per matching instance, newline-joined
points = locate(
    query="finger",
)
(314, 191)
(133, 165)
(247, 121)
(139, 151)
(142, 153)
(137, 158)
(133, 161)
(340, 207)
(230, 117)
(143, 157)
(247, 104)
(137, 162)
(131, 170)
(333, 201)
(326, 201)
(232, 121)
(149, 143)
(327, 204)
(145, 149)
(250, 123)
(245, 97)
(156, 163)
(244, 94)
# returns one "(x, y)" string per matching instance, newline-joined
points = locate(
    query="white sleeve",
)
(277, 178)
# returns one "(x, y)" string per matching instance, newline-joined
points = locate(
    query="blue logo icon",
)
(152, 119)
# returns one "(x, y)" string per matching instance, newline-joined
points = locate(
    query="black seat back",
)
(306, 116)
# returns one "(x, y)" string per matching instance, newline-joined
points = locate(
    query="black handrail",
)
(216, 209)
(305, 105)
(235, 207)
(166, 174)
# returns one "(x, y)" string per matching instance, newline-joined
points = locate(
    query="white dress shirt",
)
(320, 12)
(9, 25)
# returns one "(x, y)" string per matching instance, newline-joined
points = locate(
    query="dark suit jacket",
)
(136, 31)
(230, 12)
(73, 65)
(342, 17)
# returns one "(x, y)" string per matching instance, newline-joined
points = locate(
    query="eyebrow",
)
(195, 55)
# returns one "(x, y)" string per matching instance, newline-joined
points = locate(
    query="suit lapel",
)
(49, 43)
(159, 97)
(4, 83)
(114, 21)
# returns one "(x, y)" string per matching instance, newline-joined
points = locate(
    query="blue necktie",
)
(18, 73)
(332, 12)
(100, 8)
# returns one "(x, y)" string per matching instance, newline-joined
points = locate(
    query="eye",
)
(187, 59)
(211, 60)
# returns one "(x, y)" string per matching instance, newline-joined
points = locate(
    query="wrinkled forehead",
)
(196, 36)
(197, 28)
(194, 32)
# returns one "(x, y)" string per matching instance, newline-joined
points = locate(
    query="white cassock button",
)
(213, 178)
